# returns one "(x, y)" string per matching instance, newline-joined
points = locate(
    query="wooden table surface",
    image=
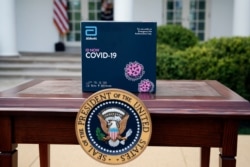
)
(184, 113)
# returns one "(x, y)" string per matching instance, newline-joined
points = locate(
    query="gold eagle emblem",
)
(113, 126)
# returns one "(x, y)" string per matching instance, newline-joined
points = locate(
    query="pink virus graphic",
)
(145, 86)
(134, 71)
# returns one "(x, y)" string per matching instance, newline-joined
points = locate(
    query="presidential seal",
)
(113, 126)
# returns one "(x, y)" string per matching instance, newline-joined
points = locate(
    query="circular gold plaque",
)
(113, 126)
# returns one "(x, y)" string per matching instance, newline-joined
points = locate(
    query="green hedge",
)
(176, 36)
(224, 59)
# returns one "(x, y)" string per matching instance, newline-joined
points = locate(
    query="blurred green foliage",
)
(226, 60)
(176, 36)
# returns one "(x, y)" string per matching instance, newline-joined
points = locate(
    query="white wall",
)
(221, 15)
(148, 10)
(221, 18)
(36, 31)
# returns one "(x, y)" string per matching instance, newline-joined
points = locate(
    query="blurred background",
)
(196, 39)
(29, 25)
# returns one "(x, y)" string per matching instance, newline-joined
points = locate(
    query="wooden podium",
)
(184, 113)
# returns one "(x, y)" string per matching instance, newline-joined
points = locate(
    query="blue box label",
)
(118, 55)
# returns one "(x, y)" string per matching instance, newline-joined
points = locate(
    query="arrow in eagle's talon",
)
(128, 133)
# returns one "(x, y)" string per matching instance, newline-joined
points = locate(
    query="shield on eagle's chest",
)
(113, 133)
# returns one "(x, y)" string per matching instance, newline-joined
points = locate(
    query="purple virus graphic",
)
(145, 86)
(134, 71)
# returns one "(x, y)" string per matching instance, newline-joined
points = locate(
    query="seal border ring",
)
(84, 141)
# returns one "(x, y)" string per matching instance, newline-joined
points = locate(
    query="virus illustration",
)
(134, 71)
(145, 86)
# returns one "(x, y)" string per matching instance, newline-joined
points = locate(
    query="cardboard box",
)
(118, 55)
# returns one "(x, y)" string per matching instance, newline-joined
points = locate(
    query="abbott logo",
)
(91, 31)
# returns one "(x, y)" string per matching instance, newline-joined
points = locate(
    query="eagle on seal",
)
(113, 128)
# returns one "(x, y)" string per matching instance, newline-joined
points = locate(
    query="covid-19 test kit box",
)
(118, 55)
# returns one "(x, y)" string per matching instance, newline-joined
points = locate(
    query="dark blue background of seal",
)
(131, 124)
